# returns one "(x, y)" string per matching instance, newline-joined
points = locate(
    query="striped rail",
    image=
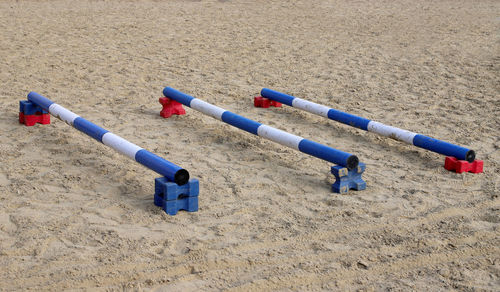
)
(312, 148)
(166, 168)
(418, 140)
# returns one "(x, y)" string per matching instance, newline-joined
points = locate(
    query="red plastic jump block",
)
(31, 120)
(260, 101)
(459, 166)
(171, 107)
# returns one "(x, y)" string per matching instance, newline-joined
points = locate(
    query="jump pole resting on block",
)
(173, 192)
(462, 155)
(348, 170)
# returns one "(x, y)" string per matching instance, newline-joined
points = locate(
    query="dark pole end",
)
(352, 162)
(181, 177)
(470, 156)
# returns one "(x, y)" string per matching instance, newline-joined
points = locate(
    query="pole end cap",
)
(181, 177)
(352, 162)
(470, 156)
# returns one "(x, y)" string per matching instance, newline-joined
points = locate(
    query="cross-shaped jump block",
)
(260, 101)
(173, 197)
(348, 179)
(459, 166)
(171, 107)
(30, 114)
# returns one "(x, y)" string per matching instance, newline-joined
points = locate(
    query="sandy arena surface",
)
(76, 215)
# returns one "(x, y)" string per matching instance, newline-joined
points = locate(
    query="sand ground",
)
(75, 215)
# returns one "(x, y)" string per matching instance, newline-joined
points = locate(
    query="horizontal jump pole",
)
(418, 140)
(166, 168)
(284, 138)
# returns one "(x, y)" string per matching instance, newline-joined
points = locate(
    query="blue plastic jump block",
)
(169, 190)
(348, 179)
(28, 108)
(173, 197)
(189, 204)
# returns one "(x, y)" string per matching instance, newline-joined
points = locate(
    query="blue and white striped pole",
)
(418, 140)
(286, 139)
(166, 168)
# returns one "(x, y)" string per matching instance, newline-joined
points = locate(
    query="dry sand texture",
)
(74, 214)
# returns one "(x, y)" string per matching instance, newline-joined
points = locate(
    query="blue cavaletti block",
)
(189, 204)
(173, 197)
(28, 108)
(348, 179)
(169, 190)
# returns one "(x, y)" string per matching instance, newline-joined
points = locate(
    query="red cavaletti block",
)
(31, 120)
(260, 101)
(171, 107)
(459, 166)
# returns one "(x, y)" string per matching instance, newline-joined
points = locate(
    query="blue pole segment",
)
(330, 113)
(240, 122)
(40, 100)
(329, 154)
(295, 142)
(348, 119)
(443, 147)
(415, 139)
(89, 128)
(158, 164)
(178, 96)
(277, 96)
